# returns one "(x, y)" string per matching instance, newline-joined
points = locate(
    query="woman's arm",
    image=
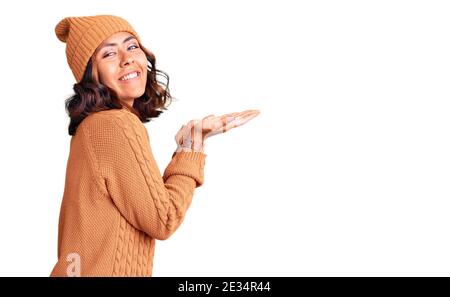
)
(152, 203)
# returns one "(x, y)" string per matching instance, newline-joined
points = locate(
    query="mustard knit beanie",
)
(83, 35)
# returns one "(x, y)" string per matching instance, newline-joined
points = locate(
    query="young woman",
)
(115, 202)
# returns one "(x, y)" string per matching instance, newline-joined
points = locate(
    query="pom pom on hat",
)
(62, 29)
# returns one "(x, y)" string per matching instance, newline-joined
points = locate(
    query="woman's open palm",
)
(192, 135)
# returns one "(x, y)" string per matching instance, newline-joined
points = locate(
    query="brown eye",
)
(107, 54)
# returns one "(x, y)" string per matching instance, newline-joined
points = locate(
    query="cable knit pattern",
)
(116, 203)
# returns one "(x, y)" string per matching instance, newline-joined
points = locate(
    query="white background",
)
(345, 171)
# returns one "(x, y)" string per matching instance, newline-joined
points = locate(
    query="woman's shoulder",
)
(112, 119)
(109, 112)
(107, 115)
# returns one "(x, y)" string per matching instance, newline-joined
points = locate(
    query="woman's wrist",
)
(189, 149)
(188, 145)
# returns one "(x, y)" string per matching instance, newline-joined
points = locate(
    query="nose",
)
(127, 59)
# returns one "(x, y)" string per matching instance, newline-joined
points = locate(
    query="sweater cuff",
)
(189, 164)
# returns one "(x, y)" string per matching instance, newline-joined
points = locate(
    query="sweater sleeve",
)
(152, 203)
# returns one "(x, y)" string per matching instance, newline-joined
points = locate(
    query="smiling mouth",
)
(130, 76)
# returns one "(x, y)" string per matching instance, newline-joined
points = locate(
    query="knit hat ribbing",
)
(83, 35)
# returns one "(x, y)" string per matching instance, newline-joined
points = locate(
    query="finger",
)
(190, 133)
(239, 121)
(252, 110)
(179, 134)
(247, 112)
(227, 120)
(198, 136)
(221, 124)
(210, 116)
(213, 120)
(240, 113)
(187, 132)
(249, 115)
(229, 114)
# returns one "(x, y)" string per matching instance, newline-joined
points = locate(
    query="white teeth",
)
(129, 76)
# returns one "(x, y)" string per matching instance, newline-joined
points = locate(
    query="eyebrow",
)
(115, 44)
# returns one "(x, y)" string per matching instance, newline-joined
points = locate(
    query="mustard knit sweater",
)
(115, 202)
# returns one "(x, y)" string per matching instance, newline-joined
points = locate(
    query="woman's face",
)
(117, 61)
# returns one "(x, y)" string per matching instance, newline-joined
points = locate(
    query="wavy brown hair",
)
(91, 96)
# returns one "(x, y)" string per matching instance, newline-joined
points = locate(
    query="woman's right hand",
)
(192, 136)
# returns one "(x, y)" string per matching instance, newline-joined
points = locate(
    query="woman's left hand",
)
(192, 136)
